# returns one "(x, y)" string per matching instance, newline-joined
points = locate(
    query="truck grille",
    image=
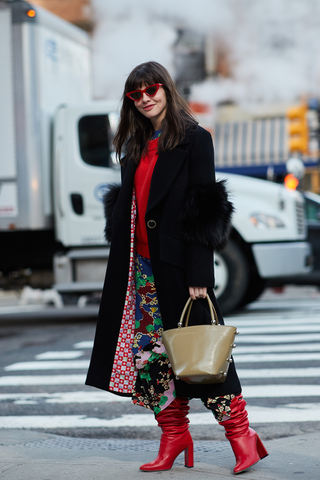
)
(300, 215)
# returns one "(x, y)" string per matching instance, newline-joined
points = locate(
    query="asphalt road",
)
(43, 363)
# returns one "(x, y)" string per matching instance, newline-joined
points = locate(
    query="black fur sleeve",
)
(109, 202)
(206, 217)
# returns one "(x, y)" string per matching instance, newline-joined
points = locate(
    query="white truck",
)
(56, 160)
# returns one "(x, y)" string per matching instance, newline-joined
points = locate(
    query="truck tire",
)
(231, 277)
(256, 286)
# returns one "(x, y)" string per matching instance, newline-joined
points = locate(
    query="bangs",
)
(139, 77)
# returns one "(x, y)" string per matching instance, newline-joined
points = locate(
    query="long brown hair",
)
(135, 130)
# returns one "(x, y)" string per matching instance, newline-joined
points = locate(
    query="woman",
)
(163, 224)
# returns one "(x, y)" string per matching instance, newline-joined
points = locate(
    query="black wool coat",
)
(188, 216)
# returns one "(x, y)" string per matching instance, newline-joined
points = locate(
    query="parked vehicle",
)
(266, 240)
(57, 159)
(312, 210)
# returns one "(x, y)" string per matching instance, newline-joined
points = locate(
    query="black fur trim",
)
(109, 202)
(206, 218)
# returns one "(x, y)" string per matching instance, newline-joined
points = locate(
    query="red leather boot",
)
(245, 443)
(175, 436)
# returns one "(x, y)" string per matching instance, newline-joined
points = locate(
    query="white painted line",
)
(88, 344)
(77, 421)
(63, 365)
(290, 304)
(84, 364)
(280, 391)
(293, 338)
(290, 338)
(22, 380)
(279, 373)
(301, 347)
(94, 396)
(276, 357)
(286, 413)
(257, 322)
(279, 328)
(59, 355)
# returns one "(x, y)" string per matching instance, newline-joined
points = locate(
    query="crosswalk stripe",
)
(97, 396)
(43, 365)
(279, 373)
(290, 338)
(83, 364)
(85, 344)
(285, 413)
(292, 304)
(254, 322)
(94, 396)
(300, 347)
(69, 355)
(279, 328)
(23, 380)
(276, 357)
(280, 391)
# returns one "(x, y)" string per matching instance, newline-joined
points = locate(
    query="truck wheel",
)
(231, 277)
(256, 286)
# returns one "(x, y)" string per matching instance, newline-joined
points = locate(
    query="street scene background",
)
(233, 61)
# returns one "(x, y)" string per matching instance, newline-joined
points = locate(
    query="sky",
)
(274, 45)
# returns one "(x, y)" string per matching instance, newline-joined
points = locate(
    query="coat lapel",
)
(166, 170)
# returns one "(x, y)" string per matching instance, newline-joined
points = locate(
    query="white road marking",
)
(276, 357)
(280, 391)
(94, 396)
(97, 396)
(59, 355)
(290, 338)
(293, 338)
(23, 380)
(43, 365)
(301, 347)
(279, 328)
(257, 322)
(290, 304)
(279, 373)
(86, 344)
(285, 413)
(84, 364)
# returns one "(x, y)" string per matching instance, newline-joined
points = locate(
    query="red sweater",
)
(142, 182)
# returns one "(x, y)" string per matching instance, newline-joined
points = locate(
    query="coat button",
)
(151, 224)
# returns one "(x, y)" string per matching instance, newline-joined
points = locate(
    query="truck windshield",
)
(96, 134)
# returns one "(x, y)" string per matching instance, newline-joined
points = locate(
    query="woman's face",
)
(153, 108)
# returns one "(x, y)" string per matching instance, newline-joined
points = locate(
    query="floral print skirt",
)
(154, 387)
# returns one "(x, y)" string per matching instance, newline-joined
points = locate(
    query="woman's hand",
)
(197, 292)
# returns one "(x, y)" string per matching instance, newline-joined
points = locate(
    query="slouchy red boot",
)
(245, 443)
(175, 437)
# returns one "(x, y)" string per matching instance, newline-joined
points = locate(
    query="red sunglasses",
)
(150, 91)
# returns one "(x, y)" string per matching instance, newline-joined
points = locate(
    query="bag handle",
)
(213, 313)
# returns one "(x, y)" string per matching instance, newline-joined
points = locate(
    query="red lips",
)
(148, 107)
